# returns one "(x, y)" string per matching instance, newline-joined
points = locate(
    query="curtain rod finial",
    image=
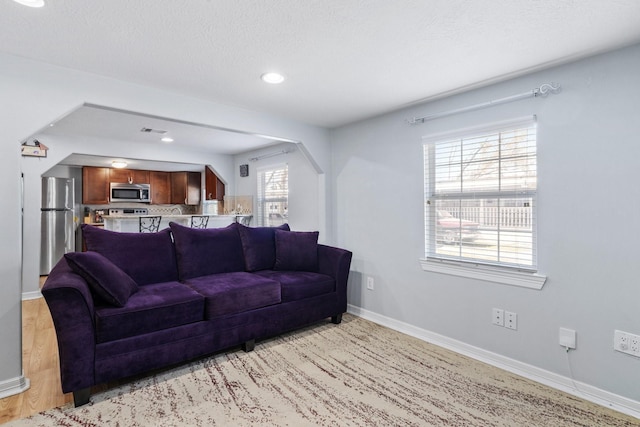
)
(547, 88)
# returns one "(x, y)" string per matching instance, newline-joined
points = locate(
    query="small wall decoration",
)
(36, 149)
(244, 170)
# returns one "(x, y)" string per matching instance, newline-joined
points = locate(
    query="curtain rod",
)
(265, 156)
(543, 90)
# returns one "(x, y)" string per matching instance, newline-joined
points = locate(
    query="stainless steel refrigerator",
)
(57, 221)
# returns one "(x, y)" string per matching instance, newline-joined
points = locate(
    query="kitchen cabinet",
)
(166, 187)
(160, 187)
(185, 188)
(214, 187)
(131, 176)
(95, 185)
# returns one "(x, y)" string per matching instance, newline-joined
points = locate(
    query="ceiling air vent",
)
(149, 130)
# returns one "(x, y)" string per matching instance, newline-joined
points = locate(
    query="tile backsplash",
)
(238, 205)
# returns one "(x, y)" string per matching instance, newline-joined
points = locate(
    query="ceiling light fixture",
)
(119, 164)
(167, 139)
(31, 3)
(272, 78)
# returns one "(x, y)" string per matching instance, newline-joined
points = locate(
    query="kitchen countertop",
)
(129, 223)
(170, 216)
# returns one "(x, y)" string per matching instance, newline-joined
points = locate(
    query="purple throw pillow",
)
(259, 246)
(204, 251)
(296, 250)
(107, 281)
(146, 257)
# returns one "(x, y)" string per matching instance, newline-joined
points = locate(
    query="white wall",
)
(35, 94)
(304, 184)
(588, 218)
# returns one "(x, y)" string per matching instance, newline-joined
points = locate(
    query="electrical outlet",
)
(567, 338)
(497, 317)
(626, 343)
(620, 341)
(370, 283)
(511, 320)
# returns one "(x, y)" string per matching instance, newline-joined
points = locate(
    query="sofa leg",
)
(337, 319)
(81, 397)
(249, 345)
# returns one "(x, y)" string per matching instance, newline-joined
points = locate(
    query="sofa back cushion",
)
(259, 246)
(296, 250)
(201, 252)
(145, 257)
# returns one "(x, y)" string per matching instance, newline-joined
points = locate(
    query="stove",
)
(129, 211)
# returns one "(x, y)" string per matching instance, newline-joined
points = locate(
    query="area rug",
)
(353, 374)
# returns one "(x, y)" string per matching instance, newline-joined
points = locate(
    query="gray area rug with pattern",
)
(353, 374)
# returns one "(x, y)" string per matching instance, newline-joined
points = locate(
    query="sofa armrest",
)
(336, 263)
(72, 309)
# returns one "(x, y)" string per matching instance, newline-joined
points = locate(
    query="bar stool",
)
(244, 219)
(150, 224)
(199, 221)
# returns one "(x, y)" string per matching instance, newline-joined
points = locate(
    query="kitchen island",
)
(130, 223)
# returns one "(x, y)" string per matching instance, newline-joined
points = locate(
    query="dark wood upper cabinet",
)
(214, 187)
(185, 188)
(131, 176)
(95, 185)
(220, 190)
(160, 187)
(181, 188)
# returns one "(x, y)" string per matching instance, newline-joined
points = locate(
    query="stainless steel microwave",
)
(121, 192)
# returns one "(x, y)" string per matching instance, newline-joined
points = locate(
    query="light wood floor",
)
(40, 364)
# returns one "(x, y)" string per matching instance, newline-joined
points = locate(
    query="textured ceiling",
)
(344, 59)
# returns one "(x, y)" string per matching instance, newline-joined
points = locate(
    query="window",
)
(273, 196)
(480, 197)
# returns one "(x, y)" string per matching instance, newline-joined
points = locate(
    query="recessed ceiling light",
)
(31, 3)
(272, 78)
(119, 164)
(167, 139)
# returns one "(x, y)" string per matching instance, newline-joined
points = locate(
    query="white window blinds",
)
(480, 196)
(273, 196)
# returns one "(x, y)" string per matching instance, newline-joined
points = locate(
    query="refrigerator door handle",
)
(69, 238)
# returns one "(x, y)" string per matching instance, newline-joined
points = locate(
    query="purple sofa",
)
(134, 302)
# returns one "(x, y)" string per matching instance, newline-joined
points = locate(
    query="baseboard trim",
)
(31, 295)
(559, 382)
(14, 386)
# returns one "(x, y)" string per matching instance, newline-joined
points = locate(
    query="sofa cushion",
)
(296, 250)
(259, 246)
(146, 257)
(201, 252)
(105, 279)
(154, 307)
(297, 285)
(230, 293)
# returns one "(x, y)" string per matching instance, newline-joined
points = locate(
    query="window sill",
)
(490, 274)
